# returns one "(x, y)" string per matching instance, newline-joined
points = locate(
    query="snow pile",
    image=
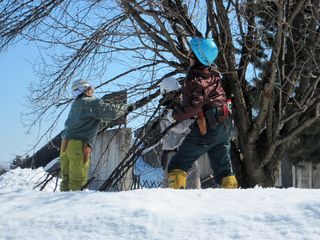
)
(155, 213)
(25, 179)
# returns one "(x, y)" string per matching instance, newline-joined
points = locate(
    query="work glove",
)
(169, 116)
(131, 107)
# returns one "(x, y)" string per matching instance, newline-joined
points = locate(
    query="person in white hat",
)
(81, 128)
(171, 92)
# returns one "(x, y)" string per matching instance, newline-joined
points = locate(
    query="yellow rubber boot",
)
(229, 182)
(177, 179)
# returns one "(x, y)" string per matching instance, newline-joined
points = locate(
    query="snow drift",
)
(155, 213)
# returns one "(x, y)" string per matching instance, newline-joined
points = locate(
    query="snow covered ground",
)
(155, 213)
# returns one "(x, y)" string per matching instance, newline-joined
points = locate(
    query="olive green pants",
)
(74, 166)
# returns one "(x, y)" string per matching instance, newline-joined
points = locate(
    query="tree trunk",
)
(253, 174)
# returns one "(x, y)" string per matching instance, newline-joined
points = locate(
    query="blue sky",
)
(16, 73)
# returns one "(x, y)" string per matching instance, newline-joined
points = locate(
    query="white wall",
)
(108, 151)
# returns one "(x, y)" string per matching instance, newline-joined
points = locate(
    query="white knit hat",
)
(169, 84)
(79, 86)
(81, 83)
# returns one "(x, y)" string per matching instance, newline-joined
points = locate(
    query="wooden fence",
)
(300, 175)
(306, 175)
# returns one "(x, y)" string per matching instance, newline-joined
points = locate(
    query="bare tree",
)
(268, 57)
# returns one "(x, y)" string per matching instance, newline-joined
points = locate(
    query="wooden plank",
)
(302, 175)
(286, 173)
(309, 169)
(316, 175)
(294, 176)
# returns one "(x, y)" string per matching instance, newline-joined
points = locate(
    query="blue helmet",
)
(205, 50)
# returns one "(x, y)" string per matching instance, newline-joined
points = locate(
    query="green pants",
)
(74, 168)
(215, 143)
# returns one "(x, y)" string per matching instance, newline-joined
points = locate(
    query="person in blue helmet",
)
(204, 99)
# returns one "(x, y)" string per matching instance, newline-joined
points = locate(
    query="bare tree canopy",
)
(268, 57)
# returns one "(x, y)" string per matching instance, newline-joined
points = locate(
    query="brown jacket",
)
(201, 90)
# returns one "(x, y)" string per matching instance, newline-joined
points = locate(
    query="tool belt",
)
(217, 115)
(202, 123)
(85, 148)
